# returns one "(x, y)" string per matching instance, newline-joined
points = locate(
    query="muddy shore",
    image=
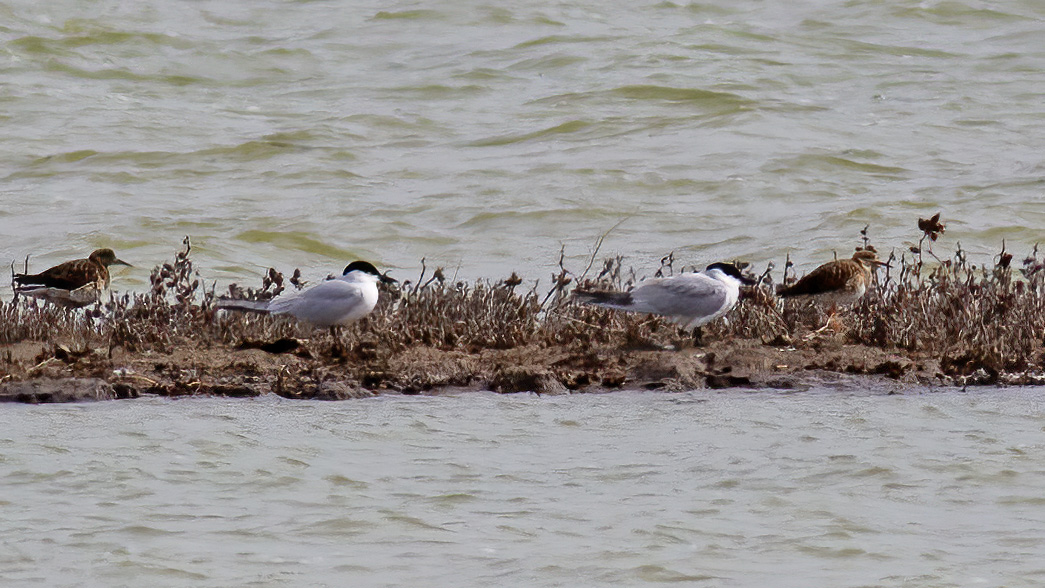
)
(43, 372)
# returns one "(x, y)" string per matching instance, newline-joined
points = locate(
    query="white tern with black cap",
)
(336, 302)
(690, 299)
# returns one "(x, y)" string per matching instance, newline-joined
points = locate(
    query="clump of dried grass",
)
(970, 316)
(470, 316)
(446, 314)
(175, 309)
(28, 319)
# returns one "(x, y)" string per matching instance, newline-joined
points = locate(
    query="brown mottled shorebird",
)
(843, 281)
(75, 274)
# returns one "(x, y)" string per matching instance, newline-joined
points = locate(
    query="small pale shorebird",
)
(839, 282)
(74, 283)
(691, 300)
(332, 303)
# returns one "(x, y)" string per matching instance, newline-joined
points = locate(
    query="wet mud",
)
(43, 372)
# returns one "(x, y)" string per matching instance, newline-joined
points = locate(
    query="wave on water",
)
(296, 240)
(554, 132)
(831, 164)
(706, 98)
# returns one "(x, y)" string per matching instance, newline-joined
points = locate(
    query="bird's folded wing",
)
(325, 303)
(77, 298)
(688, 295)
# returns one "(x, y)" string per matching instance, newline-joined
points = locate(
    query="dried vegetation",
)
(930, 317)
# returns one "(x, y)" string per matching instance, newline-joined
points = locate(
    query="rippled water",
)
(816, 489)
(485, 135)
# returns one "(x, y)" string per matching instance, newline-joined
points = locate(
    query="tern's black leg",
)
(698, 336)
(337, 348)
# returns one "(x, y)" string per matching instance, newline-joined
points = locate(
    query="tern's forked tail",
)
(243, 305)
(603, 298)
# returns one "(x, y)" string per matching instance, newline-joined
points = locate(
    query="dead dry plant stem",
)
(598, 246)
(561, 280)
(420, 278)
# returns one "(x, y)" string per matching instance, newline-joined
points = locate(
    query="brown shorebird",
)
(842, 282)
(75, 274)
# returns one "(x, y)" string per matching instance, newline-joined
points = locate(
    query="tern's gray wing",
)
(324, 304)
(690, 298)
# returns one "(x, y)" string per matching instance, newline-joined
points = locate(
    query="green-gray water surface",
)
(822, 489)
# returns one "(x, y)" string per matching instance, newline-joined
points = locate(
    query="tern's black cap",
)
(731, 270)
(367, 268)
